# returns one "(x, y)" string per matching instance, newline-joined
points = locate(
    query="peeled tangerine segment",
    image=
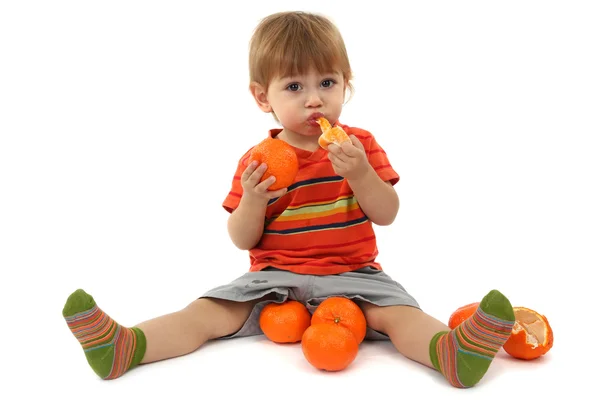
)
(331, 134)
(324, 124)
(535, 329)
(531, 336)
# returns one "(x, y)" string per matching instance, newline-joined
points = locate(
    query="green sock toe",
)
(77, 302)
(496, 304)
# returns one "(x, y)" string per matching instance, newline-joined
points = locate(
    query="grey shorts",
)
(367, 284)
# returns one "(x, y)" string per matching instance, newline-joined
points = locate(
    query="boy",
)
(307, 242)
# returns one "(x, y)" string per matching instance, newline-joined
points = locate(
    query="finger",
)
(335, 149)
(336, 161)
(350, 150)
(338, 168)
(338, 152)
(257, 174)
(357, 143)
(277, 193)
(354, 147)
(249, 170)
(264, 185)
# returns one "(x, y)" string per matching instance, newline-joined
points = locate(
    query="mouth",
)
(312, 119)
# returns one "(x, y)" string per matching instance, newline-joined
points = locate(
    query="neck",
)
(310, 143)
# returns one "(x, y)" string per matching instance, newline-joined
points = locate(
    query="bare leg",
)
(112, 349)
(464, 354)
(184, 331)
(410, 329)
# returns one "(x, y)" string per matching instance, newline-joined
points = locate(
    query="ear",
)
(260, 96)
(347, 90)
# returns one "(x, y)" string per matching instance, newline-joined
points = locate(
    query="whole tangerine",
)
(284, 322)
(280, 158)
(462, 314)
(344, 312)
(329, 347)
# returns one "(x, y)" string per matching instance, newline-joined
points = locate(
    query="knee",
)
(386, 318)
(217, 317)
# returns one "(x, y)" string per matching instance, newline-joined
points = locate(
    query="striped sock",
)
(464, 354)
(110, 348)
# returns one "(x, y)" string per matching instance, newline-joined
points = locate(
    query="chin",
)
(311, 131)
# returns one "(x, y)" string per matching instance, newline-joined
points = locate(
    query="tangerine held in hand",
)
(284, 322)
(329, 347)
(331, 134)
(281, 161)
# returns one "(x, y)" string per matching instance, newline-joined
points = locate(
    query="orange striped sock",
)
(111, 349)
(464, 354)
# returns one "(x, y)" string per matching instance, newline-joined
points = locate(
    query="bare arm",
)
(378, 199)
(246, 223)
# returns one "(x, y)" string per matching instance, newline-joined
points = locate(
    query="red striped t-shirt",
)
(317, 227)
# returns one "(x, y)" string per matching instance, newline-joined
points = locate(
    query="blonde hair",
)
(291, 43)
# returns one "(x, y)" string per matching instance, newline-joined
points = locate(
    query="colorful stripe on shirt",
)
(318, 225)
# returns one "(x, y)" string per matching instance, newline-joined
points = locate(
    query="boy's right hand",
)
(254, 189)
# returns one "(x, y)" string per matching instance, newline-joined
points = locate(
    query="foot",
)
(110, 348)
(464, 354)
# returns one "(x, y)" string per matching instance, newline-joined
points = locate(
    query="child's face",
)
(298, 101)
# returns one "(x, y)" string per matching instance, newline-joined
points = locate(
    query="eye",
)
(328, 83)
(294, 87)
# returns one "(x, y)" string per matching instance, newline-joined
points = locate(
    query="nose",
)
(313, 100)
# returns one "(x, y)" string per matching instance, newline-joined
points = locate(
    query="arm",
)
(246, 223)
(378, 199)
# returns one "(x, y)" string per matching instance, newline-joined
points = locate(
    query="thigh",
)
(254, 290)
(220, 317)
(381, 318)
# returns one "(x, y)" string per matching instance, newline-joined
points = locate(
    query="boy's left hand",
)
(349, 160)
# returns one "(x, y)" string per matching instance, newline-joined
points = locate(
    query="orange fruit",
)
(461, 314)
(329, 347)
(343, 312)
(281, 160)
(531, 336)
(331, 134)
(284, 322)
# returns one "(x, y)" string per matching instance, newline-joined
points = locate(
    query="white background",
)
(121, 124)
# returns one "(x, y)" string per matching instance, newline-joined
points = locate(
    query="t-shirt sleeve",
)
(232, 200)
(377, 156)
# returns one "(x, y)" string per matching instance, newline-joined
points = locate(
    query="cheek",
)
(289, 108)
(286, 113)
(336, 96)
